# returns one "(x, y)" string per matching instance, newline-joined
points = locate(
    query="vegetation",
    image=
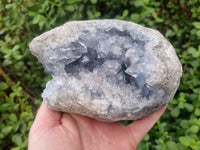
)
(22, 77)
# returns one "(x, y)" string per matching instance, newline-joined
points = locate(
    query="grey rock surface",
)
(107, 69)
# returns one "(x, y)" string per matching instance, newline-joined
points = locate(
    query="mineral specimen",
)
(107, 69)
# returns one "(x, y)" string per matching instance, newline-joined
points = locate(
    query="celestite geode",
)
(107, 69)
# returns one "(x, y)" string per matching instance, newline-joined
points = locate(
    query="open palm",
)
(53, 130)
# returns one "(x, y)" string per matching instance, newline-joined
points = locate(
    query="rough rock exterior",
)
(107, 69)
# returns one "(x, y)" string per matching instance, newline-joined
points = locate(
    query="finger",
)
(141, 127)
(47, 117)
(69, 123)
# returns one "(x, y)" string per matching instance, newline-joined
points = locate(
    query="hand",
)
(54, 130)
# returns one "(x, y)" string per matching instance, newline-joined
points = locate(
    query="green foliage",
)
(16, 116)
(21, 20)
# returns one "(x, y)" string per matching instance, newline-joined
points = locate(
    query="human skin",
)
(53, 130)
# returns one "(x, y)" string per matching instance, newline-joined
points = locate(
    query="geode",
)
(107, 69)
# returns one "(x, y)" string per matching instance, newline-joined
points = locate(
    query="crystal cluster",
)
(107, 69)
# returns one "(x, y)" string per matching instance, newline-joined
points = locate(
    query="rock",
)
(107, 69)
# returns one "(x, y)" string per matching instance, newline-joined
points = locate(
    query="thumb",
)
(141, 127)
